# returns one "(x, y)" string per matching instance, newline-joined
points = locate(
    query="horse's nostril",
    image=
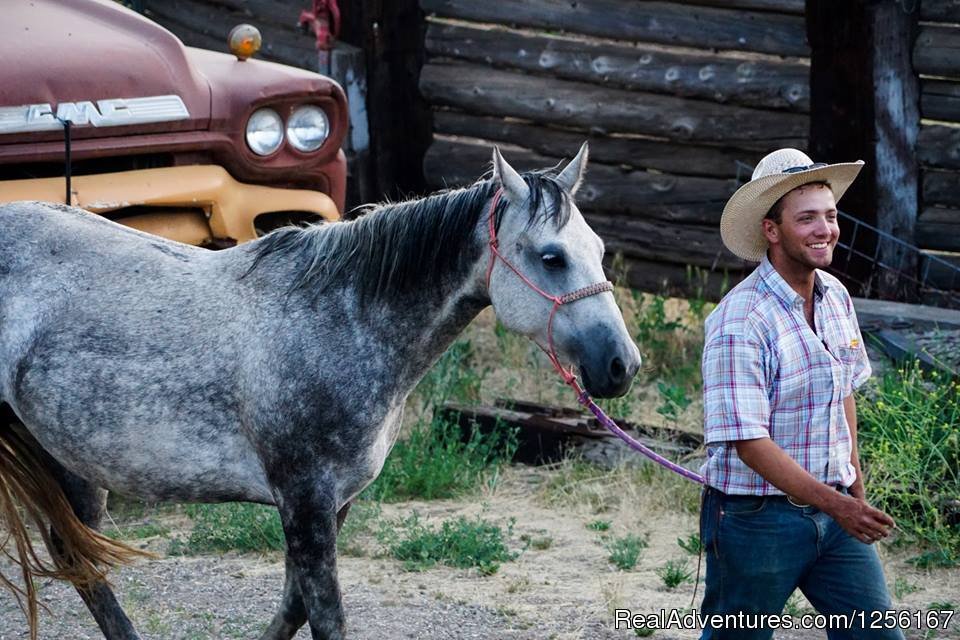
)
(617, 370)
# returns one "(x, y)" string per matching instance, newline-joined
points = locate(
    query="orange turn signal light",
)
(244, 40)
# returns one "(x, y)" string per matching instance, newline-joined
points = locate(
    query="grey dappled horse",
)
(274, 372)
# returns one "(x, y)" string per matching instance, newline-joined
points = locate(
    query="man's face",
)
(808, 230)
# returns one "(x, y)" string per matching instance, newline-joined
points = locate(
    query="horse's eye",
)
(553, 261)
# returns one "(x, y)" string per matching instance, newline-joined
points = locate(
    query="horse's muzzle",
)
(609, 376)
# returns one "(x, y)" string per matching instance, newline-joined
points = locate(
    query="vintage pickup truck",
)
(194, 145)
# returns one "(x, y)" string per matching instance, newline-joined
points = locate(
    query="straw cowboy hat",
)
(775, 175)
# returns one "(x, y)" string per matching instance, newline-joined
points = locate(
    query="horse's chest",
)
(370, 465)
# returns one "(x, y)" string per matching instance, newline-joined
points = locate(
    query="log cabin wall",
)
(936, 59)
(678, 100)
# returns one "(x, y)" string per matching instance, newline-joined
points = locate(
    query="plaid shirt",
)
(767, 374)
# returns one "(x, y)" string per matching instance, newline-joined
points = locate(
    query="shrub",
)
(910, 451)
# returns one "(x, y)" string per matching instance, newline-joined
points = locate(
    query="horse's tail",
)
(29, 491)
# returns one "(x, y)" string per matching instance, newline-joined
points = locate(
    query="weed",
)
(795, 606)
(910, 449)
(903, 587)
(540, 543)
(460, 543)
(691, 544)
(625, 551)
(433, 462)
(675, 401)
(599, 525)
(137, 532)
(675, 573)
(232, 526)
(643, 632)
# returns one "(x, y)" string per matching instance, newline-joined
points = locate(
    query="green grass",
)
(358, 526)
(625, 552)
(232, 526)
(137, 531)
(675, 572)
(910, 452)
(433, 462)
(463, 543)
(691, 544)
(599, 525)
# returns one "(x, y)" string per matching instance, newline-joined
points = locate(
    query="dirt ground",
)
(563, 589)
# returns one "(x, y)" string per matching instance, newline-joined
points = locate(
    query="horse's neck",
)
(418, 328)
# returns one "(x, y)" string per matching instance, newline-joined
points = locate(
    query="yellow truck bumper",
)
(196, 204)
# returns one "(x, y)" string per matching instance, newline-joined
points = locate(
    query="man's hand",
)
(860, 520)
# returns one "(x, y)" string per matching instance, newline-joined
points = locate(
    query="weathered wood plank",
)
(941, 187)
(940, 100)
(754, 83)
(937, 51)
(940, 11)
(607, 189)
(660, 22)
(671, 279)
(939, 146)
(794, 7)
(205, 25)
(485, 91)
(656, 240)
(281, 13)
(636, 153)
(939, 229)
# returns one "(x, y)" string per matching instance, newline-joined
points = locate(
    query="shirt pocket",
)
(848, 357)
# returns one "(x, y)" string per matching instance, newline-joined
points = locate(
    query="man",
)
(784, 504)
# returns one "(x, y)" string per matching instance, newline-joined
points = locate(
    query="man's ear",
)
(770, 231)
(514, 188)
(571, 177)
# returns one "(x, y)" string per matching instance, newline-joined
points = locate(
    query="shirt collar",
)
(784, 291)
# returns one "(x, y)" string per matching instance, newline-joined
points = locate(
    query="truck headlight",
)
(264, 132)
(307, 128)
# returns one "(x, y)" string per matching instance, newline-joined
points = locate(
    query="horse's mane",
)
(393, 246)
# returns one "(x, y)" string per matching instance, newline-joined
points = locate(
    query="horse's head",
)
(544, 236)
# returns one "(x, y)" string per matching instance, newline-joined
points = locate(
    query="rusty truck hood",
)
(86, 51)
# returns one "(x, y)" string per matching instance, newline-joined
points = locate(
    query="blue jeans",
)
(759, 550)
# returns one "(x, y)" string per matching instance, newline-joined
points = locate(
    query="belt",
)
(791, 499)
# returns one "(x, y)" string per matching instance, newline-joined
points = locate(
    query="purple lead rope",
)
(588, 402)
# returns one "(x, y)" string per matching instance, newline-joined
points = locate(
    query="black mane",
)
(393, 247)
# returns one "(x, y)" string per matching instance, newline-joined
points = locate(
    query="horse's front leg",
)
(293, 614)
(308, 512)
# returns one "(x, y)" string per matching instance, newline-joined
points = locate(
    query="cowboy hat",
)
(776, 174)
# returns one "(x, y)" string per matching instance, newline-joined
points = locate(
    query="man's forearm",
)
(765, 457)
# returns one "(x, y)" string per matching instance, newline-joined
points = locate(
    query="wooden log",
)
(658, 22)
(753, 83)
(655, 240)
(941, 187)
(633, 152)
(391, 36)
(940, 11)
(205, 25)
(865, 104)
(676, 279)
(937, 51)
(939, 229)
(939, 146)
(607, 189)
(793, 7)
(485, 91)
(940, 100)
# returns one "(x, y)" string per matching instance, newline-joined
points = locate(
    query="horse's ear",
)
(571, 177)
(513, 185)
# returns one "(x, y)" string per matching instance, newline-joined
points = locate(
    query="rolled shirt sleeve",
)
(736, 404)
(861, 367)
